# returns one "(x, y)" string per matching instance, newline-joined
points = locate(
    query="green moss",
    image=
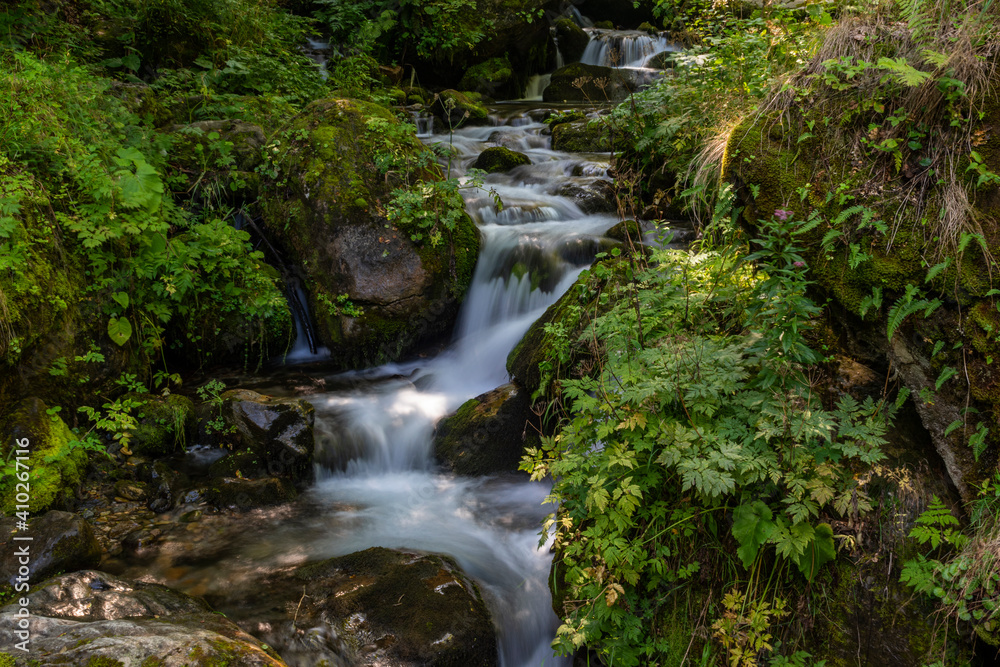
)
(572, 39)
(581, 137)
(56, 461)
(457, 108)
(162, 423)
(500, 159)
(599, 84)
(103, 661)
(6, 660)
(492, 77)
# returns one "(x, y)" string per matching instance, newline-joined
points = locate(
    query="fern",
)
(906, 306)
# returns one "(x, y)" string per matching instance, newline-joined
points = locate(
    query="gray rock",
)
(60, 542)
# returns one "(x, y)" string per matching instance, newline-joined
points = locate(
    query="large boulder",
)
(92, 618)
(488, 434)
(455, 109)
(377, 289)
(55, 460)
(60, 542)
(493, 78)
(577, 82)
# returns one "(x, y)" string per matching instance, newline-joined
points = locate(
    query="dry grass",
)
(958, 52)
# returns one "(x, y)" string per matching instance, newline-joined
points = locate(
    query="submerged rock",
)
(500, 159)
(488, 434)
(376, 290)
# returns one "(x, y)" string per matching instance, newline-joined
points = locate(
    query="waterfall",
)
(623, 48)
(306, 346)
(374, 442)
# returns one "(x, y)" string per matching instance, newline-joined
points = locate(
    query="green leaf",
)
(119, 330)
(820, 550)
(121, 298)
(752, 526)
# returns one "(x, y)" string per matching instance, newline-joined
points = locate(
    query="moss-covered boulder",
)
(163, 422)
(572, 39)
(97, 620)
(577, 82)
(456, 109)
(582, 136)
(55, 459)
(500, 159)
(493, 78)
(375, 293)
(60, 542)
(488, 434)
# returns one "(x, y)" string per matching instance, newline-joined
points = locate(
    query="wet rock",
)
(60, 541)
(500, 159)
(243, 494)
(488, 433)
(91, 595)
(163, 423)
(577, 82)
(92, 618)
(373, 607)
(581, 137)
(55, 460)
(269, 436)
(572, 39)
(163, 485)
(326, 209)
(597, 196)
(129, 490)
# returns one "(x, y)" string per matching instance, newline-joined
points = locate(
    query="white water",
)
(376, 442)
(623, 48)
(377, 482)
(305, 348)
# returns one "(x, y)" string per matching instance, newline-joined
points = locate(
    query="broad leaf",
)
(119, 330)
(820, 550)
(752, 525)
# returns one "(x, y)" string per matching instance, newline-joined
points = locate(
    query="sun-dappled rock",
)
(60, 542)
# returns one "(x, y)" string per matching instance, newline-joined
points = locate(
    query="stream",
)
(377, 481)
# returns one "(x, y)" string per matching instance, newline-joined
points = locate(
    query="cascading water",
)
(623, 48)
(377, 442)
(377, 483)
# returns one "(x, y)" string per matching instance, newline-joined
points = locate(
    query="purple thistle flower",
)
(799, 265)
(782, 215)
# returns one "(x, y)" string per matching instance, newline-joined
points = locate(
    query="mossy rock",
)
(326, 209)
(500, 159)
(457, 109)
(573, 39)
(56, 460)
(600, 85)
(493, 78)
(604, 25)
(488, 433)
(163, 423)
(581, 136)
(647, 27)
